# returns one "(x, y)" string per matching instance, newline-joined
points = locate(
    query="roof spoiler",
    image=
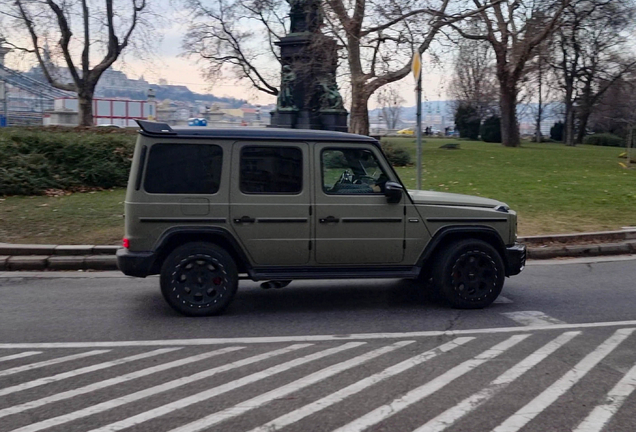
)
(155, 127)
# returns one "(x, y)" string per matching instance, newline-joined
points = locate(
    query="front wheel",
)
(199, 279)
(469, 274)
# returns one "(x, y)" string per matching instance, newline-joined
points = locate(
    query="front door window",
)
(351, 172)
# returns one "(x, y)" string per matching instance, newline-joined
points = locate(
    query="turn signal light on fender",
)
(126, 243)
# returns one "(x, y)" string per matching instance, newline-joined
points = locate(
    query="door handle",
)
(245, 219)
(329, 219)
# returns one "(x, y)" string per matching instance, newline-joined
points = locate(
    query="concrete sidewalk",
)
(21, 257)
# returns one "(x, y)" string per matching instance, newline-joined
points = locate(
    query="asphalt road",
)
(97, 351)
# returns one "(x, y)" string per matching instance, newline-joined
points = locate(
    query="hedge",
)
(604, 139)
(35, 160)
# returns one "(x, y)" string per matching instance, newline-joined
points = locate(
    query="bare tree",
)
(390, 102)
(540, 87)
(590, 45)
(474, 80)
(378, 38)
(514, 29)
(77, 32)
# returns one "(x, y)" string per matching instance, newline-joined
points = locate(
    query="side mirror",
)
(393, 192)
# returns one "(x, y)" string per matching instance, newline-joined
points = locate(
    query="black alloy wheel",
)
(469, 274)
(199, 279)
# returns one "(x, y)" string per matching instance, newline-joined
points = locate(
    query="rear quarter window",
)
(184, 169)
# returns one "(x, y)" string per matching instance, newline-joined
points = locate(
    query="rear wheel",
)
(469, 274)
(199, 279)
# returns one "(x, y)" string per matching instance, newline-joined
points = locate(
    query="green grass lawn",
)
(555, 189)
(79, 218)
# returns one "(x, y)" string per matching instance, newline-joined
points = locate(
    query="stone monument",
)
(308, 97)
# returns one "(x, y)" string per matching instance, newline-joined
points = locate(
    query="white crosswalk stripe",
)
(419, 393)
(51, 362)
(340, 395)
(552, 393)
(47, 380)
(19, 355)
(471, 403)
(320, 386)
(111, 382)
(599, 417)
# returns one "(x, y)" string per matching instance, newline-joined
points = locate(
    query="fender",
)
(198, 233)
(481, 232)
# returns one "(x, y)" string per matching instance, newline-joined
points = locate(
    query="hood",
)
(452, 199)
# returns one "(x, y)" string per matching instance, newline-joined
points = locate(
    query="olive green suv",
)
(207, 207)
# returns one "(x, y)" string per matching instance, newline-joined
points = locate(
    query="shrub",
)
(32, 161)
(556, 131)
(467, 121)
(491, 130)
(604, 139)
(397, 156)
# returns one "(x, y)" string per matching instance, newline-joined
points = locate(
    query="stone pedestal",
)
(311, 99)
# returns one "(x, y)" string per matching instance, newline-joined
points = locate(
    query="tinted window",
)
(272, 170)
(184, 169)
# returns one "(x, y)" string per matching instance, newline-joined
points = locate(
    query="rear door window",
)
(271, 170)
(184, 169)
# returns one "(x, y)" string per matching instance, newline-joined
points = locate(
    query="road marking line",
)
(340, 395)
(566, 382)
(532, 318)
(283, 391)
(450, 416)
(385, 411)
(502, 300)
(314, 338)
(46, 380)
(19, 355)
(232, 385)
(602, 414)
(113, 403)
(51, 362)
(112, 381)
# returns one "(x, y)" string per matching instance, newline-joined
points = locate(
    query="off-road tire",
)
(199, 279)
(469, 274)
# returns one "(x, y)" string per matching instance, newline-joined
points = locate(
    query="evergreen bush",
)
(604, 139)
(556, 131)
(491, 130)
(397, 156)
(467, 121)
(32, 161)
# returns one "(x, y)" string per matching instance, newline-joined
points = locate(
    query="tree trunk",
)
(569, 124)
(508, 106)
(85, 109)
(359, 115)
(583, 118)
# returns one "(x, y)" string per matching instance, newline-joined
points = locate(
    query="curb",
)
(17, 257)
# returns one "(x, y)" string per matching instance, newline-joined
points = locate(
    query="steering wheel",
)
(365, 179)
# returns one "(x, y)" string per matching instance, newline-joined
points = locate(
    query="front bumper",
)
(138, 264)
(515, 259)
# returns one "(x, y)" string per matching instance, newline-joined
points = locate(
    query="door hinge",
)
(309, 244)
(404, 210)
(404, 244)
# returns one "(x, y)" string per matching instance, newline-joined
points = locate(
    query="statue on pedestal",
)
(308, 97)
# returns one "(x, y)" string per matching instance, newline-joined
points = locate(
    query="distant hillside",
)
(116, 84)
(172, 92)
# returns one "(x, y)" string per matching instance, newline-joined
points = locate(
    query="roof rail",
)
(155, 127)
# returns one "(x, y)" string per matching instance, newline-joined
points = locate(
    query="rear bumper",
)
(515, 259)
(138, 264)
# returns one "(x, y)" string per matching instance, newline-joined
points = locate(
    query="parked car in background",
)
(407, 131)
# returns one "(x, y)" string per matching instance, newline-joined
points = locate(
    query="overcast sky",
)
(167, 63)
